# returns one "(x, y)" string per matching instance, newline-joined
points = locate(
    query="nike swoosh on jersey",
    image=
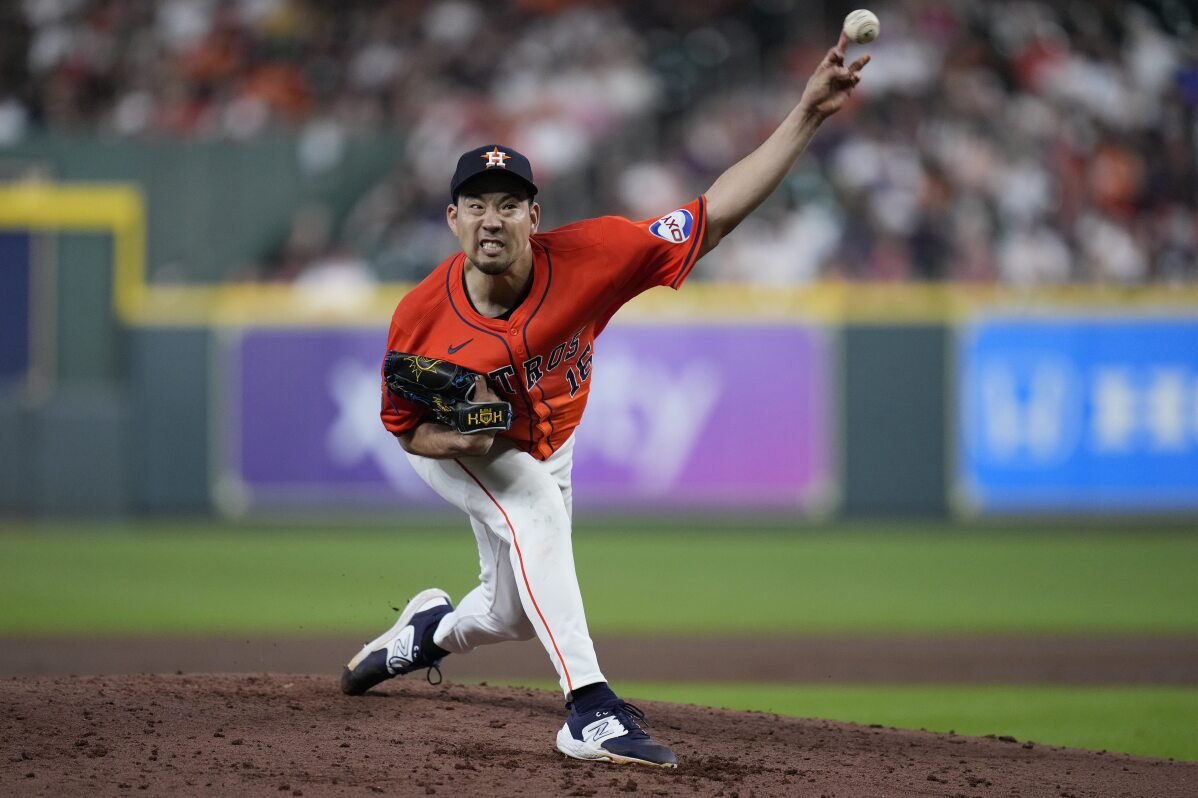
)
(453, 348)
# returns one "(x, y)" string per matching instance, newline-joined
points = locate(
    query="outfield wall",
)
(120, 394)
(996, 416)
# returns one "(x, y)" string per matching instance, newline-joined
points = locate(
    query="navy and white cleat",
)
(613, 733)
(397, 650)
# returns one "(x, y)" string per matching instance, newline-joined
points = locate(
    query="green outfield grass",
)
(641, 578)
(1149, 721)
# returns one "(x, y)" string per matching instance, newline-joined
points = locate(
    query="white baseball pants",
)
(521, 510)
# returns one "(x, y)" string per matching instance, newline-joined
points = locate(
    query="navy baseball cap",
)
(492, 158)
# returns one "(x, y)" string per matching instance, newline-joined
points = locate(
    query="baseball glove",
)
(445, 389)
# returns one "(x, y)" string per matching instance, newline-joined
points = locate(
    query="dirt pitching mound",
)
(227, 734)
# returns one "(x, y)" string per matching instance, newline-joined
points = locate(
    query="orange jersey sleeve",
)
(657, 251)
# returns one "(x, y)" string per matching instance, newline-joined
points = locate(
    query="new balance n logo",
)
(401, 651)
(602, 729)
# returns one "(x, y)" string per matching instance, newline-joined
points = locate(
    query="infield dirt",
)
(276, 734)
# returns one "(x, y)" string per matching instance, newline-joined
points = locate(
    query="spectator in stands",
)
(1033, 142)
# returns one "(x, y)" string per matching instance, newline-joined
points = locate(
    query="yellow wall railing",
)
(116, 209)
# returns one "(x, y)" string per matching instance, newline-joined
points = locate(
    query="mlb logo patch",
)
(674, 227)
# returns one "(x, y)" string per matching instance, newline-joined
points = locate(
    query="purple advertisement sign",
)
(725, 416)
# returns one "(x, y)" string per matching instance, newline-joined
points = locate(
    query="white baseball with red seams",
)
(862, 26)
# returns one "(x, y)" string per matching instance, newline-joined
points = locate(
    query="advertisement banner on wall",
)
(734, 417)
(15, 301)
(1082, 414)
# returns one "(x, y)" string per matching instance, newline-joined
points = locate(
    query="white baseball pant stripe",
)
(520, 509)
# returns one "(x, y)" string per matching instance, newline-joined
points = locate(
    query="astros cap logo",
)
(496, 158)
(493, 157)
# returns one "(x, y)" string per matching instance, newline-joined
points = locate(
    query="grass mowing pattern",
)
(1149, 721)
(211, 578)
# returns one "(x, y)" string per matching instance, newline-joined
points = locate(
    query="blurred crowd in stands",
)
(1029, 142)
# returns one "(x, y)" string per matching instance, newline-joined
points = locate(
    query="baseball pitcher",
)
(486, 376)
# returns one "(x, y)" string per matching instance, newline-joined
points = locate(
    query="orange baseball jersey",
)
(539, 359)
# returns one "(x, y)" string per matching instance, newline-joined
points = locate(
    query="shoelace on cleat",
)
(428, 675)
(635, 718)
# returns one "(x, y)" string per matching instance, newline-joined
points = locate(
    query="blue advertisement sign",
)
(1080, 414)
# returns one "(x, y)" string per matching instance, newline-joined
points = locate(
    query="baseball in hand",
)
(862, 26)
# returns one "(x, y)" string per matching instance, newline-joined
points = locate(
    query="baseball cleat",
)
(397, 650)
(612, 733)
